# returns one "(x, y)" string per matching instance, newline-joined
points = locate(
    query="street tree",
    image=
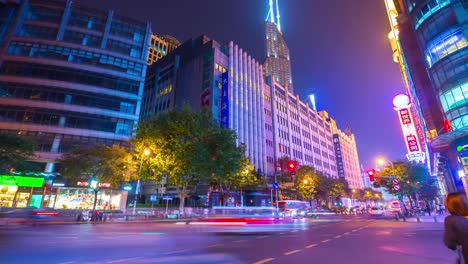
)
(411, 177)
(99, 163)
(15, 151)
(189, 148)
(307, 182)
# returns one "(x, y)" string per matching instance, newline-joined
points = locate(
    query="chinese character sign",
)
(225, 100)
(402, 105)
(405, 116)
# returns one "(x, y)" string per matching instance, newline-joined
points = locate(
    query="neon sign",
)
(402, 104)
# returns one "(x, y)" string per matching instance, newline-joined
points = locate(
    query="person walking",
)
(456, 225)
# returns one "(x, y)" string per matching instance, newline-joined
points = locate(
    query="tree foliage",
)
(103, 163)
(15, 151)
(189, 148)
(307, 182)
(413, 179)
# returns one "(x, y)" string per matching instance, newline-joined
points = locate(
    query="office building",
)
(278, 62)
(299, 132)
(432, 41)
(160, 47)
(70, 75)
(194, 74)
(347, 159)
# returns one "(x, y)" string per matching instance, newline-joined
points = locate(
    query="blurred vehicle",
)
(292, 208)
(315, 213)
(375, 211)
(394, 207)
(355, 210)
(27, 215)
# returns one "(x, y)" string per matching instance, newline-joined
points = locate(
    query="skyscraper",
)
(278, 62)
(70, 75)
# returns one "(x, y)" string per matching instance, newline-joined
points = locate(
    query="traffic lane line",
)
(292, 252)
(264, 261)
(311, 245)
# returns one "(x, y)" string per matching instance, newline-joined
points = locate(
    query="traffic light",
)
(291, 166)
(371, 174)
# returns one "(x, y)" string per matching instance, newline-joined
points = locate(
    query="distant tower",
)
(277, 62)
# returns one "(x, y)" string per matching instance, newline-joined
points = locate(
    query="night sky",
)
(339, 52)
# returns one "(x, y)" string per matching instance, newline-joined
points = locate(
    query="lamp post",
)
(94, 185)
(146, 153)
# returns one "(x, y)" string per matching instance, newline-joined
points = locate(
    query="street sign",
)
(167, 197)
(395, 181)
(275, 186)
(396, 187)
(153, 198)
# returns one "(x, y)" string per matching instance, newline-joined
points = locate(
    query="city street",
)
(346, 239)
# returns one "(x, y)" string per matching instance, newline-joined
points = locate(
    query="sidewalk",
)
(427, 219)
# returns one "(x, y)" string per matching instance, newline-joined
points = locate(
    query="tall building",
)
(223, 78)
(69, 75)
(347, 159)
(432, 38)
(298, 132)
(160, 47)
(278, 62)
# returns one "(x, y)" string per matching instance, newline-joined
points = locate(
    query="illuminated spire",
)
(278, 16)
(271, 13)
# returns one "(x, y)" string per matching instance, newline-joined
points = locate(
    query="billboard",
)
(402, 104)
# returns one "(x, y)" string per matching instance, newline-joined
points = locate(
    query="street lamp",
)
(146, 153)
(306, 181)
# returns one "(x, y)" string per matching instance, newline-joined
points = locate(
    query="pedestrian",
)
(456, 225)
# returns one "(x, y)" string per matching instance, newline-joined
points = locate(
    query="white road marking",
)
(347, 233)
(338, 236)
(264, 261)
(292, 252)
(325, 241)
(311, 245)
(260, 237)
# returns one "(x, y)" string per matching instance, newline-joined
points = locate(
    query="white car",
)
(374, 211)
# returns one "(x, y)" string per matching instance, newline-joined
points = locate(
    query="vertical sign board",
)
(339, 157)
(402, 104)
(225, 100)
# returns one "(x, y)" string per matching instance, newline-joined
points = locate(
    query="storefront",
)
(80, 196)
(20, 191)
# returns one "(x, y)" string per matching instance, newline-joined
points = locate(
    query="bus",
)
(292, 208)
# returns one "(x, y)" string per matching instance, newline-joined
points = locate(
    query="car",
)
(28, 215)
(375, 211)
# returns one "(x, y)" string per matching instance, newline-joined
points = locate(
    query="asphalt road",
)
(348, 239)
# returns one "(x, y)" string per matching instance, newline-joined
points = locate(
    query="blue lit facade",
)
(440, 30)
(70, 75)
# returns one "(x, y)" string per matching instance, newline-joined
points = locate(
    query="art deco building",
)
(278, 62)
(69, 75)
(347, 158)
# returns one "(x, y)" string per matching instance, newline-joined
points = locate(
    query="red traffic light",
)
(291, 165)
(371, 174)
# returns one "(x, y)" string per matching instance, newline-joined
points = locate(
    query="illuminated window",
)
(445, 45)
(455, 97)
(429, 9)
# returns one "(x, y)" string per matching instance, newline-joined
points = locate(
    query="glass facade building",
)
(70, 75)
(433, 36)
